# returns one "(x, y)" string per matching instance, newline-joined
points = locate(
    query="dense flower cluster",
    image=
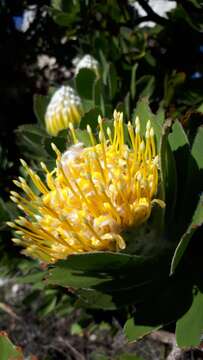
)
(64, 108)
(92, 196)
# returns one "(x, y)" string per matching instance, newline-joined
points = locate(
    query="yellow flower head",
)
(64, 108)
(92, 196)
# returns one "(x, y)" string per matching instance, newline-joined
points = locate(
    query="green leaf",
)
(76, 329)
(170, 84)
(65, 13)
(62, 18)
(48, 307)
(100, 261)
(10, 208)
(90, 118)
(85, 80)
(164, 304)
(60, 141)
(93, 299)
(109, 280)
(7, 350)
(168, 176)
(87, 270)
(133, 80)
(40, 104)
(97, 92)
(87, 105)
(144, 112)
(112, 81)
(146, 85)
(191, 186)
(197, 221)
(178, 137)
(134, 332)
(197, 149)
(102, 105)
(62, 5)
(160, 116)
(30, 138)
(108, 111)
(183, 17)
(4, 214)
(179, 146)
(62, 276)
(196, 3)
(127, 105)
(33, 132)
(31, 278)
(200, 108)
(102, 58)
(83, 137)
(189, 328)
(105, 67)
(170, 183)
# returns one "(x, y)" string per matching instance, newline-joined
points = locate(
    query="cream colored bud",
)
(137, 121)
(100, 120)
(9, 223)
(89, 130)
(115, 114)
(23, 163)
(137, 129)
(108, 132)
(148, 126)
(101, 137)
(147, 134)
(14, 199)
(142, 146)
(151, 132)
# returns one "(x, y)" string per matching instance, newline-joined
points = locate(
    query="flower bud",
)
(64, 108)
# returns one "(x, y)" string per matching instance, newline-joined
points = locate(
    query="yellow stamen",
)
(72, 130)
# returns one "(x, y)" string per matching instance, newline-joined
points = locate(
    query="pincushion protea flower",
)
(64, 108)
(91, 197)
